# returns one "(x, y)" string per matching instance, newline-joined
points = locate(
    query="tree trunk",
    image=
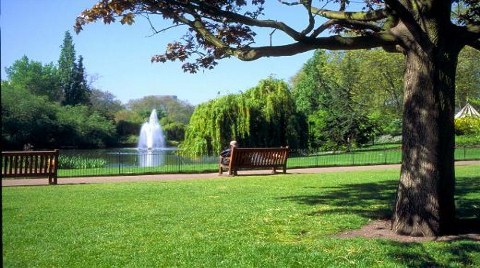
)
(425, 197)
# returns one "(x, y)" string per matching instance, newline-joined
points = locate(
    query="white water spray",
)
(151, 134)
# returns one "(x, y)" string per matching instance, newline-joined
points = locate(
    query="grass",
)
(248, 221)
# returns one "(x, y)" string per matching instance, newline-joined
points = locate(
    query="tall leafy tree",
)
(66, 66)
(423, 31)
(253, 118)
(34, 119)
(72, 74)
(346, 122)
(105, 103)
(37, 78)
(327, 90)
(78, 92)
(468, 77)
(309, 83)
(27, 118)
(379, 89)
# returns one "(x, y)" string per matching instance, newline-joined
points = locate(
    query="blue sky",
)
(118, 56)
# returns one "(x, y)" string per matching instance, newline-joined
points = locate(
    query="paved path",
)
(176, 177)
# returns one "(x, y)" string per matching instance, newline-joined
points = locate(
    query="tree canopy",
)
(38, 78)
(28, 118)
(72, 74)
(44, 105)
(224, 28)
(328, 91)
(253, 118)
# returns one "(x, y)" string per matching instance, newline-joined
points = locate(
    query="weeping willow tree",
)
(264, 115)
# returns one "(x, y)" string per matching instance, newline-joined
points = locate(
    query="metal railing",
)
(121, 163)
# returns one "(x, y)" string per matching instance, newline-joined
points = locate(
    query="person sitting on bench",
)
(225, 154)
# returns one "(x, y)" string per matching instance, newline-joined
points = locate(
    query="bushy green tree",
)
(326, 90)
(31, 118)
(128, 124)
(263, 116)
(27, 119)
(467, 84)
(174, 132)
(38, 79)
(379, 89)
(79, 127)
(105, 103)
(274, 120)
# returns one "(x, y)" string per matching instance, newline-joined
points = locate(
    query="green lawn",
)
(247, 221)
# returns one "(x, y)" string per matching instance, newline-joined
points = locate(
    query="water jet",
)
(151, 134)
(151, 142)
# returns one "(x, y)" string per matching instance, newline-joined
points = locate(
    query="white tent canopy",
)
(467, 111)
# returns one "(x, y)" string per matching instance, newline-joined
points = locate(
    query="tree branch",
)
(374, 15)
(234, 17)
(311, 19)
(359, 25)
(154, 30)
(331, 43)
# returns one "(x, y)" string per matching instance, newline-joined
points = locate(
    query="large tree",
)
(467, 85)
(328, 91)
(66, 65)
(423, 31)
(252, 118)
(37, 78)
(72, 74)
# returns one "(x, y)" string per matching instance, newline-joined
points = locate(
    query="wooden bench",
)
(30, 164)
(255, 158)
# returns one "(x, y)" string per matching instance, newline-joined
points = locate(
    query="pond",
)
(127, 157)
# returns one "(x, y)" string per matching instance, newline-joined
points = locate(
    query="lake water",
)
(128, 157)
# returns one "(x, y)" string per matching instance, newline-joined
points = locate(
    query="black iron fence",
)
(130, 162)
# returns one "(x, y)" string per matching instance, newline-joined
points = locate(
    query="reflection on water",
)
(151, 158)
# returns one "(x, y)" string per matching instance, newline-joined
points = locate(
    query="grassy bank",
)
(250, 221)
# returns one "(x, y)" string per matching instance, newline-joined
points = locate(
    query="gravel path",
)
(176, 177)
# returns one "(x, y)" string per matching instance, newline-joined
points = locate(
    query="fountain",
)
(151, 134)
(151, 142)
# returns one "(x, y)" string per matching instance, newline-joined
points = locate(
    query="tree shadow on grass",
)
(376, 200)
(422, 255)
(369, 200)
